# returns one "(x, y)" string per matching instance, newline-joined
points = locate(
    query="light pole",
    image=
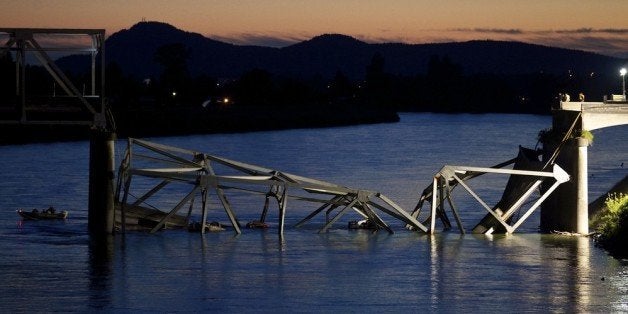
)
(622, 72)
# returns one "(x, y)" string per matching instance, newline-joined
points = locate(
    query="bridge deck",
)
(597, 115)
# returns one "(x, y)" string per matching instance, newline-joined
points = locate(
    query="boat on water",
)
(48, 214)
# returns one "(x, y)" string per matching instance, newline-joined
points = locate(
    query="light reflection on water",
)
(54, 266)
(345, 270)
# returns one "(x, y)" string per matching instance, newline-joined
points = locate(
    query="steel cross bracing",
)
(74, 106)
(450, 176)
(159, 166)
(148, 169)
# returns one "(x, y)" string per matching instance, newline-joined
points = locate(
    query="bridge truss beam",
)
(86, 107)
(148, 168)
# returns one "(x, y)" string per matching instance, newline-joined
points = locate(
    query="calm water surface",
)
(53, 266)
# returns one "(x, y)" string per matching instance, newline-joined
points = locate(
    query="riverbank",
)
(598, 207)
(170, 121)
(609, 217)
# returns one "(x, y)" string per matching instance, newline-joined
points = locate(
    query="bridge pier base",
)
(101, 183)
(567, 209)
(582, 187)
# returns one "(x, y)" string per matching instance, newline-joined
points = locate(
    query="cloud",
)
(605, 41)
(611, 46)
(67, 42)
(490, 30)
(265, 40)
(619, 31)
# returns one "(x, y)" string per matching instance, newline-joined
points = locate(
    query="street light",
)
(622, 72)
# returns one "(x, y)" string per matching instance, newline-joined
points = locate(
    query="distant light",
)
(174, 94)
(622, 72)
(225, 100)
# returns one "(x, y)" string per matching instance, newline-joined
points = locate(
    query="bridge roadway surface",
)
(598, 115)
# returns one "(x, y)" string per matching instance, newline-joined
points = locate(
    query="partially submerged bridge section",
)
(524, 178)
(152, 175)
(148, 169)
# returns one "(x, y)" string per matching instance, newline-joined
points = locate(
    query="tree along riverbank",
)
(171, 121)
(609, 217)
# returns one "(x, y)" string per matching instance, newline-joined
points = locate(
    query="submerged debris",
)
(213, 226)
(362, 224)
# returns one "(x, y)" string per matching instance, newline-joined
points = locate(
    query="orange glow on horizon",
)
(409, 21)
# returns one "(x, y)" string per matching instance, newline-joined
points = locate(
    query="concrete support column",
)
(567, 209)
(101, 183)
(582, 190)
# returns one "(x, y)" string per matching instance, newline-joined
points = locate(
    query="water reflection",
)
(545, 270)
(338, 271)
(101, 252)
(583, 271)
(341, 269)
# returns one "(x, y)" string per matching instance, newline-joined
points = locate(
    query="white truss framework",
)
(450, 176)
(198, 170)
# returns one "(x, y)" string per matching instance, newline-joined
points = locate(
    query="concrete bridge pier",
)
(582, 186)
(101, 182)
(567, 209)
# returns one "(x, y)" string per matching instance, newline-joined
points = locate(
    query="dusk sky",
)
(592, 25)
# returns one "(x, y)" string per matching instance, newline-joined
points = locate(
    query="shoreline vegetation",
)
(176, 121)
(613, 226)
(608, 216)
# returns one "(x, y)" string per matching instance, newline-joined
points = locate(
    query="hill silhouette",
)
(164, 81)
(323, 56)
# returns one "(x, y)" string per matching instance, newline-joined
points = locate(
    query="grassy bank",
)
(613, 227)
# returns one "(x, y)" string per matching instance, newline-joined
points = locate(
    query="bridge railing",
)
(593, 106)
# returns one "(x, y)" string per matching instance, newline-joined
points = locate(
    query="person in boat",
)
(50, 210)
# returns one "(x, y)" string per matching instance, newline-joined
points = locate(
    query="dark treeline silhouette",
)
(177, 103)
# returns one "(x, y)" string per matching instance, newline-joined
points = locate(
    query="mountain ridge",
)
(325, 55)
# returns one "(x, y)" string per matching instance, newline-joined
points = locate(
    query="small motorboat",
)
(47, 214)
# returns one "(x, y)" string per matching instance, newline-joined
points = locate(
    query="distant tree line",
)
(175, 98)
(444, 88)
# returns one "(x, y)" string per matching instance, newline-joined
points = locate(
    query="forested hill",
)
(324, 56)
(473, 76)
(133, 50)
(163, 81)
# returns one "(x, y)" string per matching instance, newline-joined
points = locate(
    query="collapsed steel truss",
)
(198, 170)
(498, 218)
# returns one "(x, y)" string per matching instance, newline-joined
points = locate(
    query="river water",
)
(53, 266)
